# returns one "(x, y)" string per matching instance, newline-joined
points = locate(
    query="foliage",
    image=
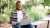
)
(6, 7)
(47, 2)
(37, 12)
(34, 15)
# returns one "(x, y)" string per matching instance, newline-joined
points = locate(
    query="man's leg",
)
(16, 26)
(26, 26)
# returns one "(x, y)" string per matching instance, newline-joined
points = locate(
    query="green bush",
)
(6, 7)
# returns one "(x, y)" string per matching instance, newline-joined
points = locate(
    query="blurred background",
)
(35, 9)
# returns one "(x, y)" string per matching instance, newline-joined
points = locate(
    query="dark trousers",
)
(27, 26)
(35, 26)
(22, 26)
(16, 26)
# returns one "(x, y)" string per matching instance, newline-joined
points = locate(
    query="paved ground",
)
(5, 25)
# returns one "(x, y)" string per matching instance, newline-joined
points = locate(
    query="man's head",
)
(18, 5)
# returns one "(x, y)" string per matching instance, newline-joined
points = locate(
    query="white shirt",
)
(19, 15)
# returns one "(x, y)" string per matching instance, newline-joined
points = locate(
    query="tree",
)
(30, 12)
(6, 7)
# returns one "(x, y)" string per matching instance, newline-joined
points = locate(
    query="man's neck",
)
(18, 10)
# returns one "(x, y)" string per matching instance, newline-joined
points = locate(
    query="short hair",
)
(17, 4)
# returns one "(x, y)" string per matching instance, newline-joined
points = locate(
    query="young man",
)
(16, 16)
(20, 19)
(24, 20)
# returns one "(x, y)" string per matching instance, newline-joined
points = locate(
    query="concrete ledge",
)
(41, 24)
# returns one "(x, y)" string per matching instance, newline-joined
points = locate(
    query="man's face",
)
(18, 5)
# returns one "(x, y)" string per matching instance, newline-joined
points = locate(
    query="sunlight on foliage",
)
(7, 6)
(33, 9)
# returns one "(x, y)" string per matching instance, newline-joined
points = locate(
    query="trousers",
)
(16, 26)
(22, 26)
(27, 26)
